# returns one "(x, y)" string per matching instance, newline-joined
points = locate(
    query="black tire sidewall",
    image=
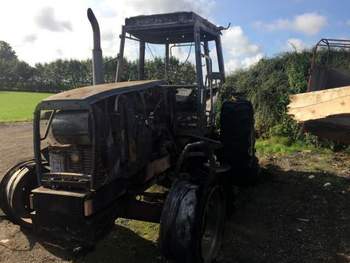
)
(4, 202)
(203, 195)
(171, 247)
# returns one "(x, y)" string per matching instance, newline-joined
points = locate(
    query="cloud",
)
(183, 53)
(65, 33)
(252, 60)
(202, 7)
(107, 36)
(59, 52)
(237, 43)
(307, 23)
(242, 53)
(30, 38)
(295, 44)
(46, 19)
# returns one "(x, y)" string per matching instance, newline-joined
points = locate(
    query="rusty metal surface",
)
(43, 190)
(324, 75)
(124, 127)
(103, 90)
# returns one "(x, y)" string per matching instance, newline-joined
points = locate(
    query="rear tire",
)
(15, 189)
(192, 222)
(238, 139)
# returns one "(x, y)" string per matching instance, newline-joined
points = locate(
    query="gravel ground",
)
(299, 212)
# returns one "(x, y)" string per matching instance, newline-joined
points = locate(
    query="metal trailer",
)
(328, 89)
(97, 149)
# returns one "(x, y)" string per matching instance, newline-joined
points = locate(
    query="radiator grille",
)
(84, 165)
(76, 160)
(64, 155)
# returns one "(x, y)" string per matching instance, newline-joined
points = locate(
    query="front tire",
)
(192, 222)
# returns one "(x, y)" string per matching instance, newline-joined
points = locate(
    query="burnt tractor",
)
(99, 149)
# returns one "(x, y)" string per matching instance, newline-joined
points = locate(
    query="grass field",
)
(19, 106)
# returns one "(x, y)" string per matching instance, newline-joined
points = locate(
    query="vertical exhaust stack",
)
(97, 61)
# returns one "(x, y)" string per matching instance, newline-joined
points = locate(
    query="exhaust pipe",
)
(97, 61)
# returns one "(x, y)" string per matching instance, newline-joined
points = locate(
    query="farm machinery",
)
(324, 109)
(99, 149)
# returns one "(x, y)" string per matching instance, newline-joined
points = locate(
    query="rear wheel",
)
(238, 139)
(192, 222)
(15, 188)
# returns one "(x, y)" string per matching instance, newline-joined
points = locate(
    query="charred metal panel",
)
(170, 28)
(120, 56)
(201, 92)
(220, 58)
(96, 93)
(62, 213)
(52, 205)
(142, 61)
(116, 139)
(140, 210)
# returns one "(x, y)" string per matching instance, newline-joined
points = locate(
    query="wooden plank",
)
(321, 110)
(315, 97)
(320, 104)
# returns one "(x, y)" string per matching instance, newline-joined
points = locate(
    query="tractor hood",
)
(94, 93)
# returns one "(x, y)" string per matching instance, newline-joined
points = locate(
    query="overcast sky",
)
(45, 30)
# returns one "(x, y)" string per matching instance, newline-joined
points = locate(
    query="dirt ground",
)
(299, 212)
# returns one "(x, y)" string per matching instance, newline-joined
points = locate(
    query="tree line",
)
(61, 75)
(266, 84)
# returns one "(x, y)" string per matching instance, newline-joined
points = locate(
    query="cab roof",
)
(175, 27)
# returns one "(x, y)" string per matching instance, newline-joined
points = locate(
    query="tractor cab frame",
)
(181, 29)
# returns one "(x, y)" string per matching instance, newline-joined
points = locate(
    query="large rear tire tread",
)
(238, 138)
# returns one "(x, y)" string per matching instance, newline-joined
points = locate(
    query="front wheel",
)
(192, 222)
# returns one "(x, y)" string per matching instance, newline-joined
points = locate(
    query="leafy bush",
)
(268, 85)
